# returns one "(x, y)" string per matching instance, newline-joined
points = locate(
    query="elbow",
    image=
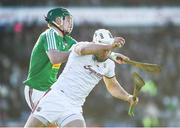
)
(54, 61)
(56, 57)
(58, 60)
(80, 51)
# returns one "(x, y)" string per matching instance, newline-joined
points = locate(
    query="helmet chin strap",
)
(57, 26)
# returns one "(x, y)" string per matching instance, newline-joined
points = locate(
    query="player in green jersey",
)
(50, 50)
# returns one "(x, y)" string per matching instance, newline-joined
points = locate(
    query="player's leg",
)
(75, 123)
(36, 121)
(32, 96)
(72, 120)
(28, 96)
(47, 111)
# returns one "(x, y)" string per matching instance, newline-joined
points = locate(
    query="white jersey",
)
(80, 76)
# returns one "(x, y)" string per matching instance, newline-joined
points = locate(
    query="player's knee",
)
(74, 120)
(75, 123)
(36, 121)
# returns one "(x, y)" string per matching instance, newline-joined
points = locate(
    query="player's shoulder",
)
(80, 44)
(76, 47)
(43, 34)
(70, 38)
(50, 32)
(83, 43)
(47, 31)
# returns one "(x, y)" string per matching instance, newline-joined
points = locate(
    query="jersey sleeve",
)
(111, 69)
(71, 41)
(50, 40)
(77, 47)
(73, 50)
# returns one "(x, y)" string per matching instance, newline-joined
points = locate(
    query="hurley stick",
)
(139, 83)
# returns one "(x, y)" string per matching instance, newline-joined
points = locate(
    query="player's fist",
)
(118, 42)
(133, 100)
(118, 58)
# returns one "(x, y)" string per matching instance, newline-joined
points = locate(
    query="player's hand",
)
(118, 42)
(120, 58)
(133, 100)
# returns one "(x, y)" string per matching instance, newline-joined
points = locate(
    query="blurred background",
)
(152, 32)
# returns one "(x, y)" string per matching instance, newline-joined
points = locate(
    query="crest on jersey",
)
(38, 109)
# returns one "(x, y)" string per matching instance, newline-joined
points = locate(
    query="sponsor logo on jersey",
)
(93, 71)
(38, 109)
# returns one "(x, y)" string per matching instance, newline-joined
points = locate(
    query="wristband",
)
(113, 56)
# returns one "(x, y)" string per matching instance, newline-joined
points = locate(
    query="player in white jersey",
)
(88, 63)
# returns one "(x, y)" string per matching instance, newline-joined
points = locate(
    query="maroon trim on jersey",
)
(30, 97)
(109, 77)
(39, 101)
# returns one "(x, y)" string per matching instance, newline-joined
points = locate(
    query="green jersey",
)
(42, 74)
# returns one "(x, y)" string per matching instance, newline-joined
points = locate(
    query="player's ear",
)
(59, 21)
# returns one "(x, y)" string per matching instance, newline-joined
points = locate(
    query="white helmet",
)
(103, 36)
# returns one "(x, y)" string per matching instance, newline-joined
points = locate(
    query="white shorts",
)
(56, 107)
(32, 96)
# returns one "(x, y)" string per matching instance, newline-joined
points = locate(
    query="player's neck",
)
(59, 32)
(95, 58)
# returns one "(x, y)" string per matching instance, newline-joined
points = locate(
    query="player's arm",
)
(93, 48)
(116, 90)
(57, 57)
(51, 46)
